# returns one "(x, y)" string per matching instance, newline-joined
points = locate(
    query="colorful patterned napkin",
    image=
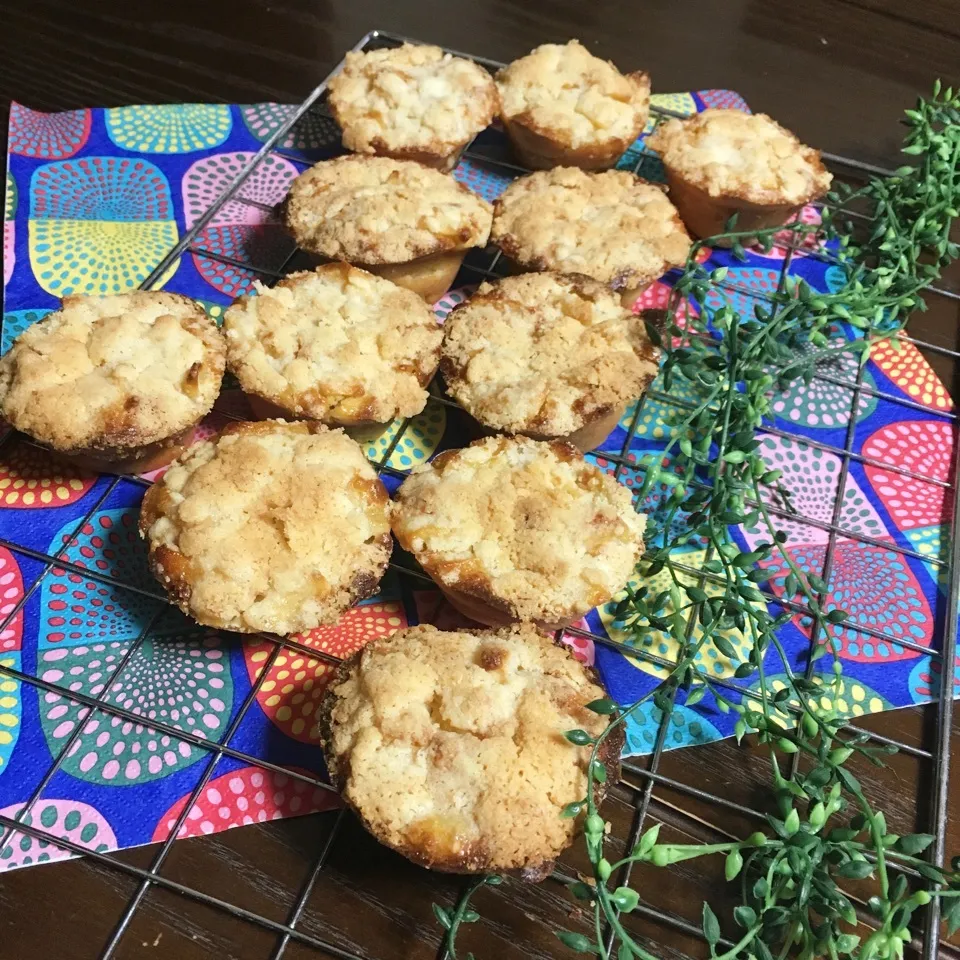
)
(94, 198)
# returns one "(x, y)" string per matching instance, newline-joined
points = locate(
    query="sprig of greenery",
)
(821, 830)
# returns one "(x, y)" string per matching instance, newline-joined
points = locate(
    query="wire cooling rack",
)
(480, 265)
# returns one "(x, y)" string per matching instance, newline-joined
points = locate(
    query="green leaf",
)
(913, 843)
(576, 941)
(598, 771)
(711, 926)
(624, 952)
(733, 864)
(470, 916)
(855, 869)
(647, 842)
(442, 915)
(604, 706)
(953, 918)
(582, 891)
(745, 916)
(580, 737)
(573, 809)
(625, 899)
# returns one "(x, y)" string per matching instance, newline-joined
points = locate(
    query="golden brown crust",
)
(545, 354)
(374, 210)
(111, 376)
(423, 733)
(572, 106)
(528, 527)
(750, 157)
(412, 102)
(611, 226)
(336, 344)
(269, 526)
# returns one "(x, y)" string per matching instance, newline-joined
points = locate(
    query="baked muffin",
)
(611, 226)
(547, 355)
(562, 106)
(336, 344)
(424, 733)
(413, 102)
(395, 218)
(513, 529)
(272, 526)
(114, 383)
(722, 162)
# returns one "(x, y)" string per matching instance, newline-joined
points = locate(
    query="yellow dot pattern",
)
(31, 477)
(659, 644)
(906, 366)
(847, 698)
(9, 709)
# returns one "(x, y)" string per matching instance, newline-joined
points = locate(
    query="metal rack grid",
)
(484, 265)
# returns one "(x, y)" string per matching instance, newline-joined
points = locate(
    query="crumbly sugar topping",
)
(269, 526)
(411, 98)
(545, 353)
(527, 526)
(611, 226)
(334, 344)
(374, 210)
(566, 93)
(732, 153)
(113, 373)
(430, 728)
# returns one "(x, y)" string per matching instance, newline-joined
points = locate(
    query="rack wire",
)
(641, 778)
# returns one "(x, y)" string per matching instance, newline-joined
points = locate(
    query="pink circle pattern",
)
(877, 588)
(246, 232)
(47, 136)
(67, 819)
(248, 795)
(181, 681)
(11, 592)
(924, 447)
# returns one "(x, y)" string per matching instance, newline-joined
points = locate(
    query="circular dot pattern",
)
(420, 438)
(686, 728)
(78, 610)
(16, 321)
(171, 128)
(709, 659)
(312, 132)
(848, 698)
(926, 677)
(294, 686)
(99, 225)
(67, 819)
(811, 476)
(11, 593)
(47, 136)
(877, 588)
(724, 99)
(924, 447)
(32, 478)
(181, 681)
(823, 404)
(11, 708)
(483, 179)
(244, 796)
(907, 367)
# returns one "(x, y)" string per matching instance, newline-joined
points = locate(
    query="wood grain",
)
(837, 72)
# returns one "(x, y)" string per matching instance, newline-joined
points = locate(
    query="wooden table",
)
(838, 73)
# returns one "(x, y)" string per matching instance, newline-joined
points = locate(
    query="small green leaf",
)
(582, 891)
(913, 843)
(625, 899)
(745, 916)
(604, 706)
(576, 941)
(711, 926)
(598, 771)
(855, 869)
(573, 809)
(733, 864)
(792, 822)
(580, 737)
(442, 915)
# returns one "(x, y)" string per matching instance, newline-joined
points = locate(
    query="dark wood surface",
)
(837, 71)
